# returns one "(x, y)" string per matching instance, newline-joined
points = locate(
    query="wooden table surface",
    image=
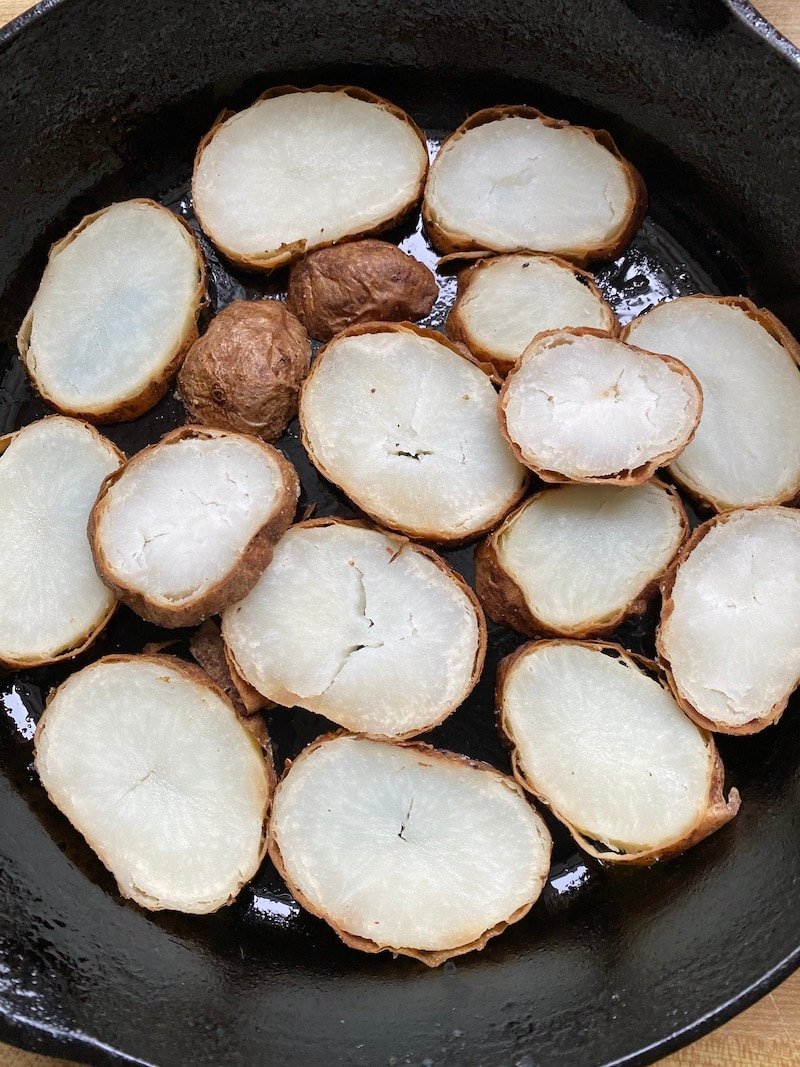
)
(766, 1035)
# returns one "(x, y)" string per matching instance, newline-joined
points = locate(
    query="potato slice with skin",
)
(582, 406)
(304, 168)
(115, 312)
(405, 423)
(187, 526)
(505, 301)
(407, 849)
(364, 627)
(747, 447)
(578, 560)
(729, 637)
(52, 603)
(512, 179)
(148, 760)
(600, 741)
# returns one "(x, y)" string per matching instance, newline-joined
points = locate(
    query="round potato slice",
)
(148, 760)
(579, 559)
(405, 424)
(511, 179)
(366, 628)
(606, 747)
(404, 848)
(187, 526)
(304, 168)
(504, 302)
(747, 446)
(52, 603)
(582, 406)
(730, 624)
(115, 312)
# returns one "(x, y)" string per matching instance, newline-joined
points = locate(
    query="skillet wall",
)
(99, 90)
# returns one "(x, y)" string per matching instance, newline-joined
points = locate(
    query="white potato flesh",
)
(510, 299)
(518, 183)
(311, 167)
(357, 626)
(408, 429)
(732, 636)
(158, 774)
(585, 406)
(179, 518)
(747, 446)
(582, 554)
(606, 746)
(406, 848)
(114, 307)
(51, 598)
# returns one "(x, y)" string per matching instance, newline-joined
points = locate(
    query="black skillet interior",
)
(101, 101)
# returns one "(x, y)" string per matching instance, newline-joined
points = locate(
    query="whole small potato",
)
(362, 281)
(245, 372)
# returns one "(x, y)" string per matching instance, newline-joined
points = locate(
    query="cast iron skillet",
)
(101, 101)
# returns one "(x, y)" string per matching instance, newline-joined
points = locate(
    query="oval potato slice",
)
(52, 603)
(512, 179)
(115, 312)
(729, 637)
(404, 848)
(363, 627)
(582, 406)
(148, 759)
(607, 748)
(747, 447)
(305, 168)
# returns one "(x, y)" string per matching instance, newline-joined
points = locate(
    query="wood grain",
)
(766, 1035)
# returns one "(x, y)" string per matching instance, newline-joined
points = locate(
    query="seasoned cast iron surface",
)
(608, 963)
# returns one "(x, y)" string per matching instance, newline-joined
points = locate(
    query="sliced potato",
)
(730, 624)
(148, 760)
(404, 848)
(504, 302)
(582, 406)
(305, 168)
(606, 747)
(115, 312)
(52, 603)
(511, 179)
(187, 526)
(579, 559)
(747, 446)
(366, 628)
(208, 648)
(405, 424)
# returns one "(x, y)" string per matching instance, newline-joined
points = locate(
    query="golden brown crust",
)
(456, 326)
(244, 373)
(429, 958)
(449, 243)
(718, 810)
(551, 339)
(268, 261)
(236, 584)
(420, 534)
(131, 407)
(208, 648)
(780, 333)
(504, 601)
(361, 281)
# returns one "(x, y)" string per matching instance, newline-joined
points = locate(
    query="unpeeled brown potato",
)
(363, 281)
(245, 372)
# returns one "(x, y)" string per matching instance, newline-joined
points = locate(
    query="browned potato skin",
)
(504, 601)
(362, 281)
(245, 573)
(718, 812)
(244, 373)
(430, 957)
